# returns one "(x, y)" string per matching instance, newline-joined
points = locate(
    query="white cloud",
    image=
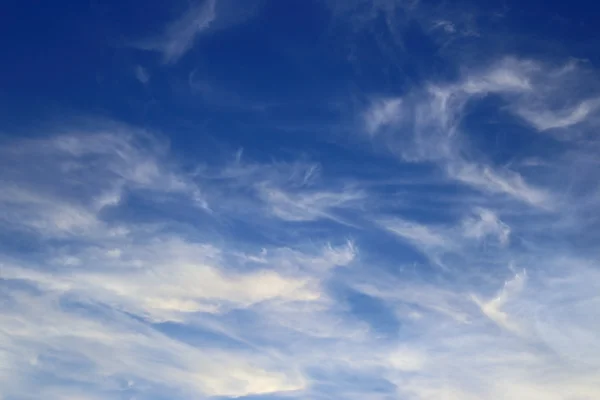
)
(534, 348)
(382, 113)
(42, 213)
(294, 192)
(164, 279)
(179, 35)
(84, 308)
(499, 181)
(485, 224)
(446, 26)
(509, 75)
(96, 168)
(308, 206)
(543, 119)
(157, 280)
(493, 308)
(420, 235)
(479, 226)
(408, 360)
(545, 96)
(430, 128)
(417, 302)
(141, 74)
(560, 97)
(109, 348)
(251, 316)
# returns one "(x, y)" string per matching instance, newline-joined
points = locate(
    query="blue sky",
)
(328, 199)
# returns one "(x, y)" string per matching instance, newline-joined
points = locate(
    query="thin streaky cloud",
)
(141, 74)
(179, 35)
(429, 130)
(309, 206)
(383, 113)
(544, 120)
(478, 227)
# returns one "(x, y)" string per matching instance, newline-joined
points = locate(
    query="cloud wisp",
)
(103, 284)
(179, 35)
(426, 124)
(112, 303)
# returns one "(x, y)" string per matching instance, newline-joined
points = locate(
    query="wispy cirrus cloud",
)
(509, 332)
(116, 280)
(486, 223)
(493, 308)
(546, 96)
(141, 74)
(129, 307)
(430, 129)
(115, 158)
(544, 119)
(383, 113)
(294, 192)
(182, 278)
(40, 335)
(499, 181)
(180, 34)
(309, 206)
(481, 227)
